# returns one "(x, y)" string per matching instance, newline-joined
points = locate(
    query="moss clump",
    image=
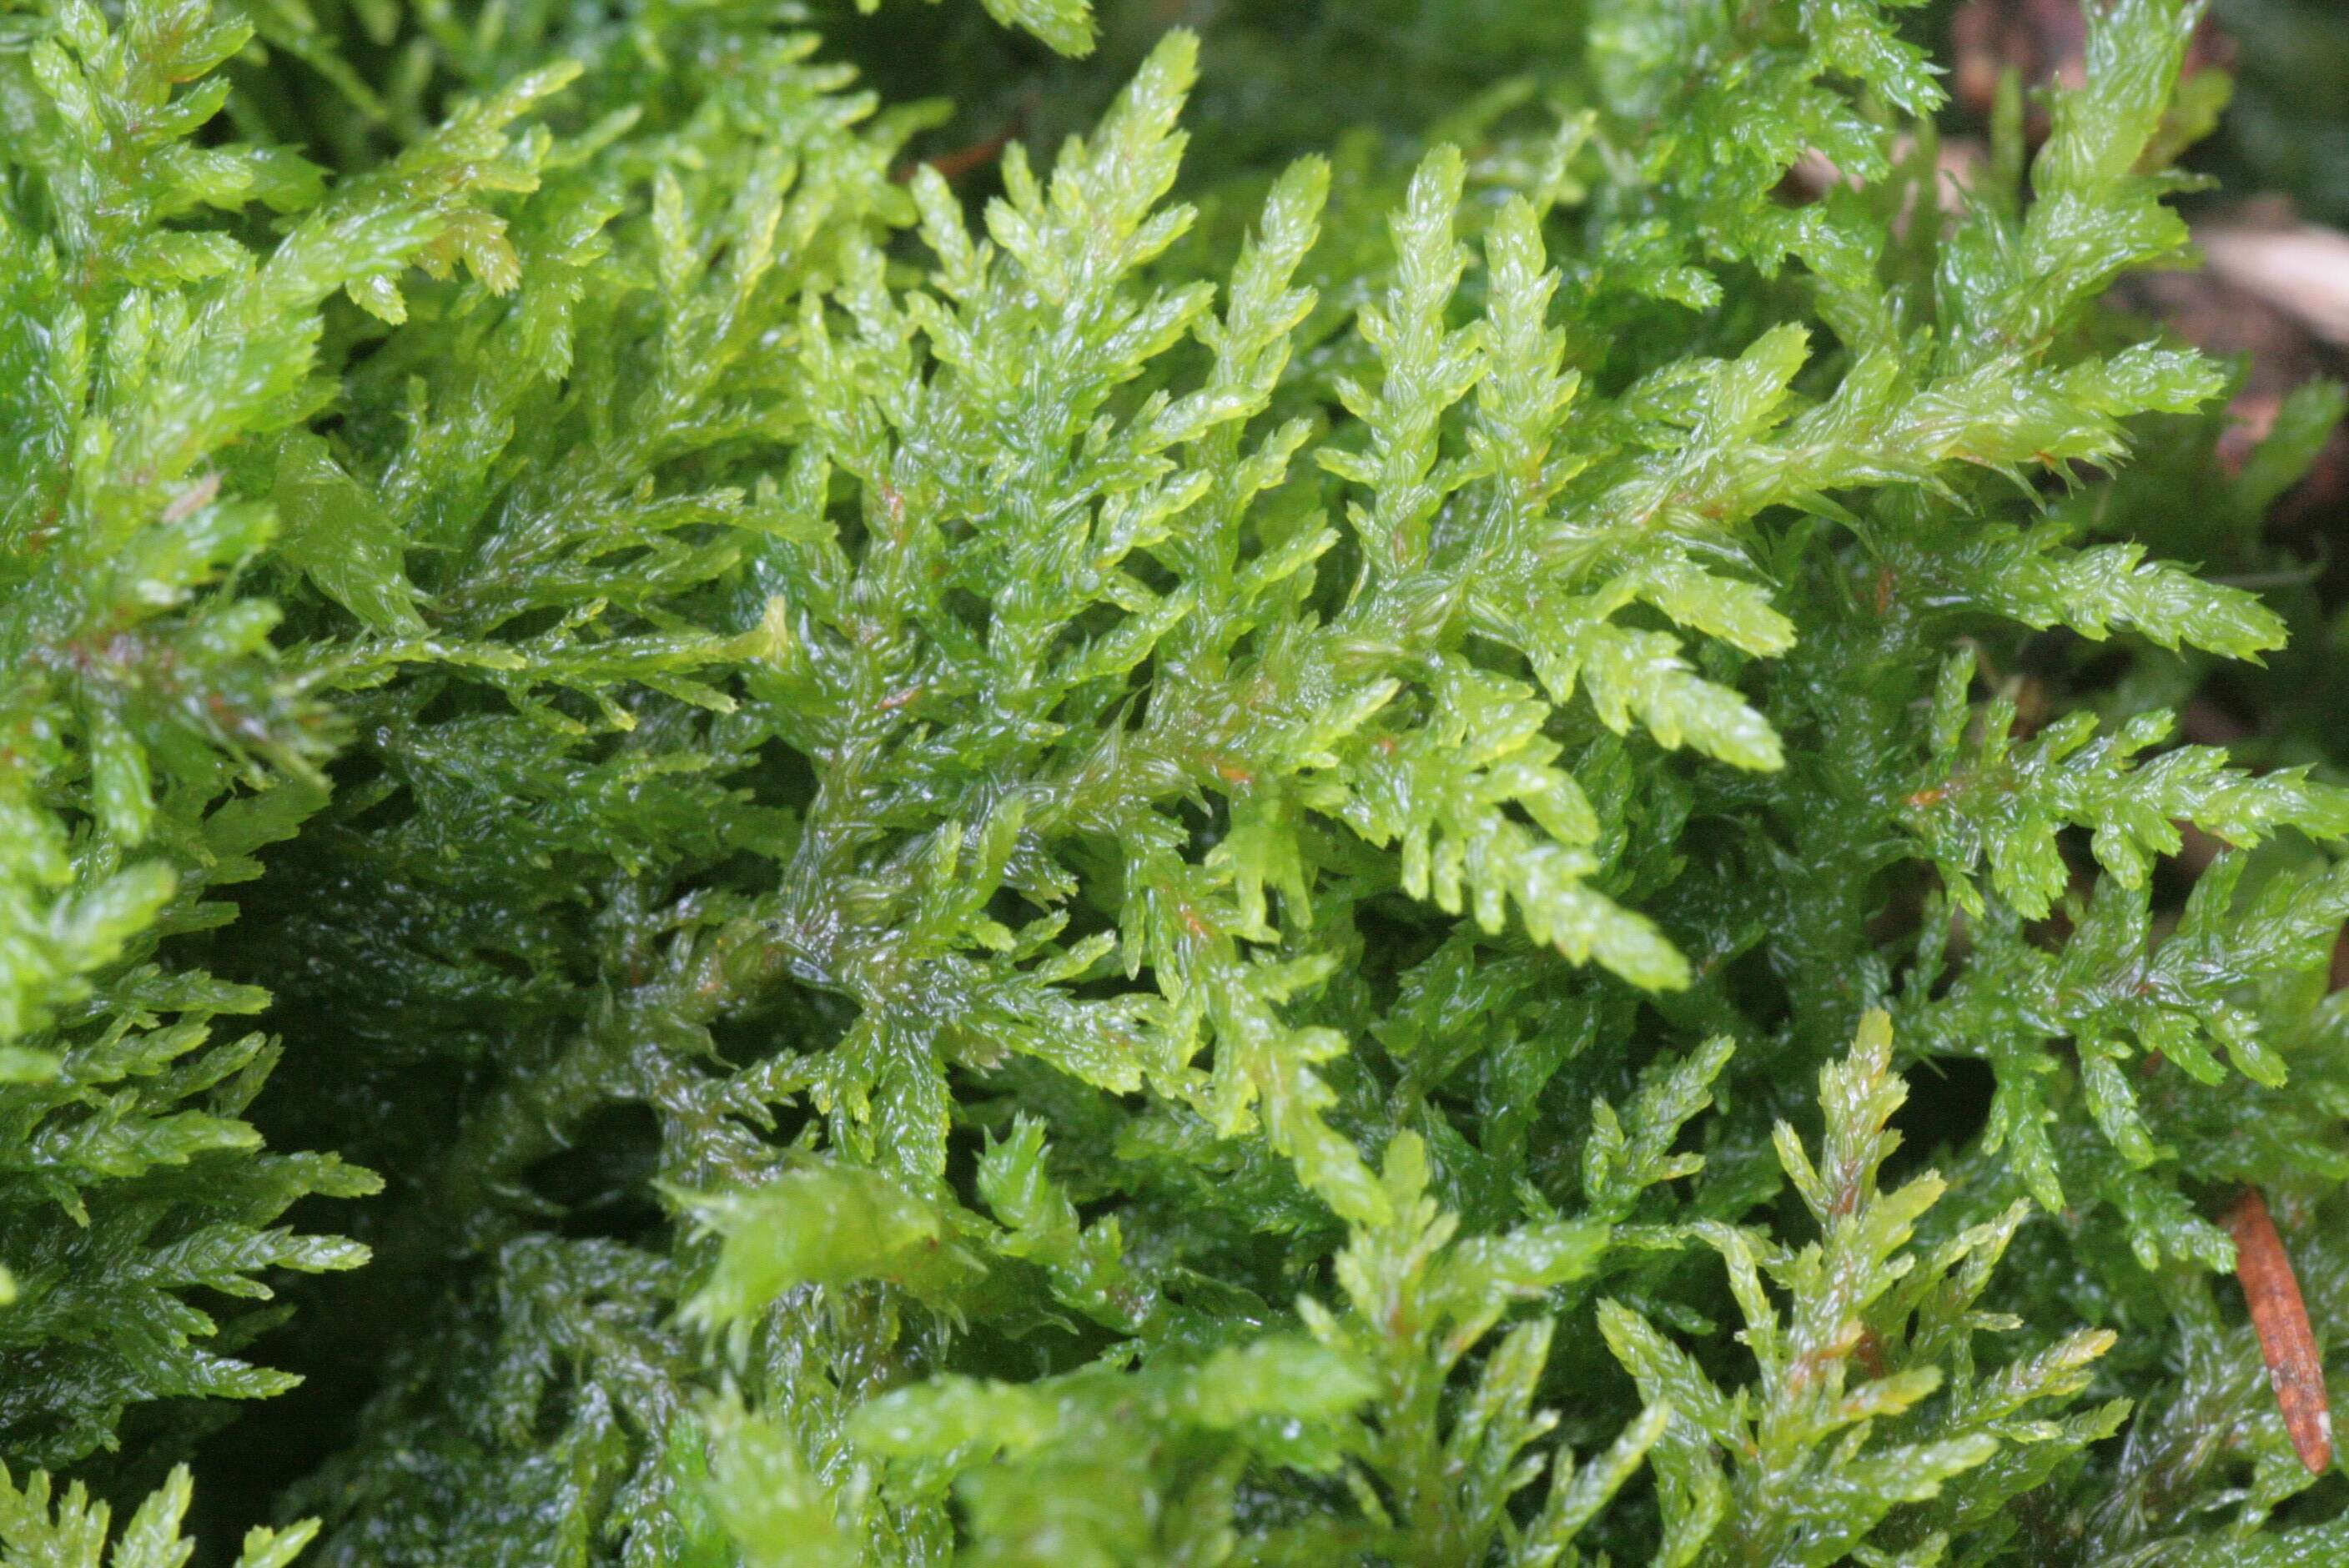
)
(1250, 865)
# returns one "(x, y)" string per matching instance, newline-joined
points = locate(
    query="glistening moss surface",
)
(1227, 853)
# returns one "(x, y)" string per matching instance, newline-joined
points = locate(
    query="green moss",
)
(1150, 861)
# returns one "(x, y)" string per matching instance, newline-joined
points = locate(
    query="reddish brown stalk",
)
(964, 160)
(2281, 1319)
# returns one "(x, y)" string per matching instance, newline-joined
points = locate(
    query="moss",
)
(1239, 853)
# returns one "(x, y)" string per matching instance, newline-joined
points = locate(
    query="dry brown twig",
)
(2301, 269)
